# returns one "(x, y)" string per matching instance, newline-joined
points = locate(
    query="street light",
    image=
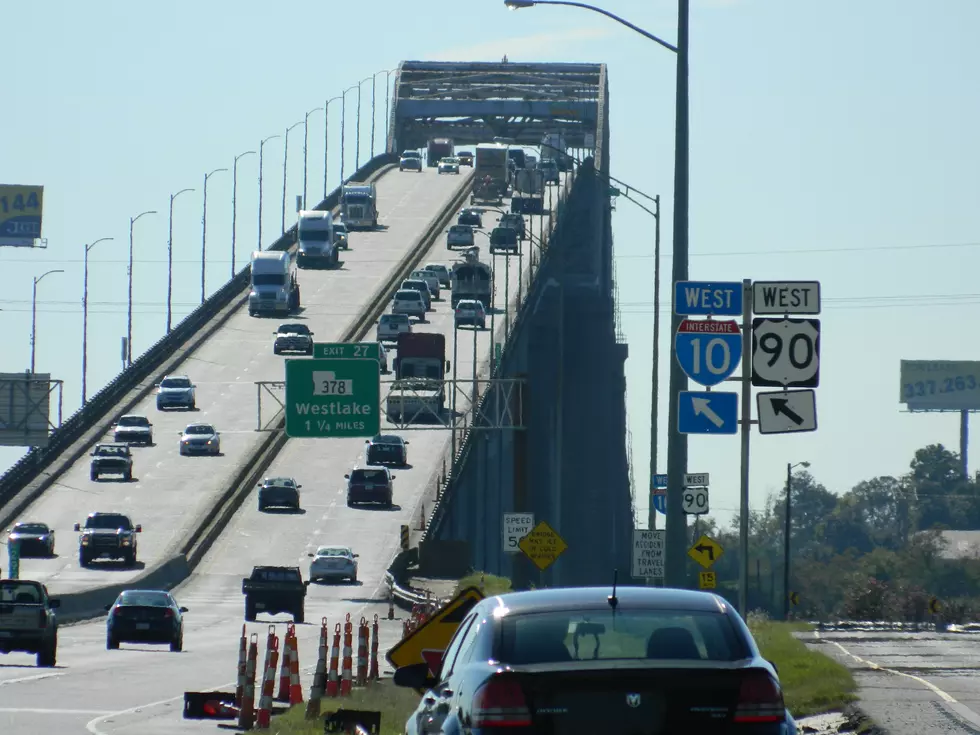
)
(343, 129)
(786, 532)
(285, 166)
(129, 308)
(37, 280)
(85, 320)
(387, 73)
(306, 140)
(261, 149)
(204, 234)
(234, 205)
(677, 443)
(170, 260)
(326, 141)
(357, 137)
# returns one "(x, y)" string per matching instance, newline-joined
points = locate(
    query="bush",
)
(867, 598)
(488, 584)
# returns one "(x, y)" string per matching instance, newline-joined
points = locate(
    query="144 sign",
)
(786, 352)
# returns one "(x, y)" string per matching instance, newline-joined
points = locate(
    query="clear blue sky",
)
(833, 141)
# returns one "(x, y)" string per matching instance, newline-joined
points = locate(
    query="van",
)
(410, 302)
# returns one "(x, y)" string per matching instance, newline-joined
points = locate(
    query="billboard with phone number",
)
(20, 214)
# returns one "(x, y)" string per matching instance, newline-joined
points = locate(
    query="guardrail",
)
(38, 460)
(173, 571)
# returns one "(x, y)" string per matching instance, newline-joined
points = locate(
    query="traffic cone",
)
(295, 685)
(287, 649)
(242, 657)
(374, 674)
(347, 674)
(333, 685)
(319, 687)
(246, 716)
(362, 653)
(264, 716)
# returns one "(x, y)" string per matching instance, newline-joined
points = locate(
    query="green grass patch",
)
(812, 682)
(489, 584)
(395, 704)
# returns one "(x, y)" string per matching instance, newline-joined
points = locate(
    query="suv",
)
(409, 302)
(133, 429)
(28, 622)
(465, 158)
(471, 217)
(550, 168)
(431, 280)
(111, 459)
(370, 485)
(417, 284)
(515, 221)
(391, 325)
(460, 236)
(107, 536)
(504, 238)
(441, 272)
(386, 449)
(471, 311)
(293, 338)
(176, 390)
(410, 161)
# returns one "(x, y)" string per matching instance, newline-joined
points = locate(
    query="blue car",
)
(145, 616)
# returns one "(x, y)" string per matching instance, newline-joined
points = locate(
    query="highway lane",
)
(103, 689)
(169, 492)
(912, 683)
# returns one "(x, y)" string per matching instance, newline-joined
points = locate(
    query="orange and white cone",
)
(347, 674)
(374, 674)
(362, 653)
(319, 676)
(242, 657)
(289, 642)
(264, 716)
(333, 683)
(246, 716)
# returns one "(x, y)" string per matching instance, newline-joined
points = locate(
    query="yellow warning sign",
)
(934, 606)
(706, 551)
(707, 580)
(426, 643)
(794, 598)
(543, 545)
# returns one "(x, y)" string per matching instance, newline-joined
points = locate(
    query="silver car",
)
(200, 439)
(176, 390)
(333, 562)
(279, 492)
(449, 166)
(391, 325)
(460, 236)
(442, 273)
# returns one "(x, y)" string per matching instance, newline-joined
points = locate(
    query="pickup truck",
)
(275, 590)
(27, 620)
(111, 459)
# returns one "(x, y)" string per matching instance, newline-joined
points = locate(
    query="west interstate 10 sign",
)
(708, 350)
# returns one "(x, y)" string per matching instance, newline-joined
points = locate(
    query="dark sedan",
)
(32, 539)
(595, 659)
(387, 449)
(145, 616)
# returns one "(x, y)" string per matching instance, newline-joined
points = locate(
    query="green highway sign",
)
(333, 398)
(347, 351)
(13, 559)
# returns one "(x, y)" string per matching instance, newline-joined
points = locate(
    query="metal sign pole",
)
(746, 421)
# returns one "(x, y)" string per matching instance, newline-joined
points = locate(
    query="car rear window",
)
(407, 294)
(25, 592)
(369, 476)
(140, 598)
(277, 575)
(557, 635)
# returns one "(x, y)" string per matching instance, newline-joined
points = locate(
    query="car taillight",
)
(500, 703)
(168, 613)
(759, 699)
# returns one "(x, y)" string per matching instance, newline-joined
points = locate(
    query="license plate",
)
(142, 626)
(369, 487)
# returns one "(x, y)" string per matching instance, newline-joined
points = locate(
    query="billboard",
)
(20, 214)
(25, 401)
(940, 385)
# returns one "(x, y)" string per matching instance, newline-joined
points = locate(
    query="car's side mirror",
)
(298, 487)
(407, 442)
(78, 526)
(367, 441)
(774, 667)
(184, 609)
(346, 477)
(416, 676)
(306, 583)
(54, 603)
(139, 528)
(394, 476)
(311, 555)
(357, 556)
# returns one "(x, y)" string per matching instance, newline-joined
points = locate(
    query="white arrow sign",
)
(702, 407)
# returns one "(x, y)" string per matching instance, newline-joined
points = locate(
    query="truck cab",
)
(315, 242)
(359, 205)
(275, 590)
(275, 284)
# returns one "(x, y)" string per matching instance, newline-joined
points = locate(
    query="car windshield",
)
(199, 429)
(175, 383)
(369, 476)
(411, 154)
(23, 592)
(30, 528)
(273, 279)
(144, 598)
(569, 635)
(108, 449)
(394, 319)
(310, 234)
(333, 551)
(134, 421)
(436, 268)
(340, 229)
(109, 521)
(280, 482)
(294, 329)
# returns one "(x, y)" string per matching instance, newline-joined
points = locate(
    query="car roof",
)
(31, 523)
(176, 376)
(579, 598)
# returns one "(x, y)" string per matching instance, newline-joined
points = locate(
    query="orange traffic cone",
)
(264, 716)
(319, 687)
(333, 685)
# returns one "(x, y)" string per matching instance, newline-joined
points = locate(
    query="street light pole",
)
(129, 308)
(170, 260)
(85, 320)
(343, 131)
(326, 142)
(357, 137)
(204, 234)
(655, 372)
(306, 140)
(261, 163)
(387, 101)
(285, 167)
(234, 206)
(37, 280)
(787, 527)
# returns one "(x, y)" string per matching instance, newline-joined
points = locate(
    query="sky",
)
(829, 142)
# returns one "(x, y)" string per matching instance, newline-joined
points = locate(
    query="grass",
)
(489, 584)
(396, 705)
(812, 682)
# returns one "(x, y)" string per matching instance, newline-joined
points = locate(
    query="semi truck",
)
(437, 149)
(491, 173)
(359, 206)
(553, 146)
(274, 283)
(315, 245)
(418, 393)
(471, 279)
(529, 189)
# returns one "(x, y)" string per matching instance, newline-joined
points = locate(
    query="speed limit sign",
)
(695, 500)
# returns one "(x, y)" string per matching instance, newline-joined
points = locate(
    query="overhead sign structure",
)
(707, 413)
(707, 580)
(787, 412)
(696, 479)
(428, 642)
(706, 551)
(347, 351)
(786, 353)
(333, 398)
(786, 297)
(708, 350)
(648, 553)
(940, 385)
(694, 502)
(660, 500)
(705, 298)
(516, 527)
(25, 409)
(20, 214)
(543, 545)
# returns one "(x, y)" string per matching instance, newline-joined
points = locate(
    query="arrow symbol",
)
(705, 549)
(702, 407)
(781, 406)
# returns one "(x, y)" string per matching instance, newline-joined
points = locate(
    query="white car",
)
(293, 338)
(449, 165)
(431, 280)
(391, 325)
(471, 311)
(333, 562)
(341, 235)
(441, 271)
(409, 302)
(460, 236)
(200, 439)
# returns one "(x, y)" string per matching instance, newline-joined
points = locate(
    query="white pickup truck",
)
(411, 400)
(27, 620)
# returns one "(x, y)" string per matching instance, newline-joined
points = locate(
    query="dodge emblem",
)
(633, 700)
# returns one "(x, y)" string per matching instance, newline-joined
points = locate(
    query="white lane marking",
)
(35, 711)
(35, 677)
(92, 726)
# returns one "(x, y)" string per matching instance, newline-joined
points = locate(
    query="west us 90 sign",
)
(786, 353)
